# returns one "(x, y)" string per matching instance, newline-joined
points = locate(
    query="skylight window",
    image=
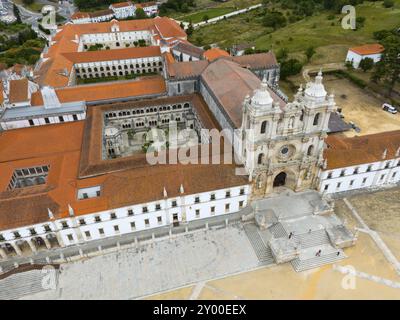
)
(28, 177)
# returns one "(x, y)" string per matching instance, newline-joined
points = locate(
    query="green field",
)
(210, 13)
(331, 41)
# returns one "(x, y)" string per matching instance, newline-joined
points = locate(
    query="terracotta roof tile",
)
(230, 83)
(145, 86)
(19, 91)
(110, 55)
(101, 13)
(345, 152)
(119, 183)
(256, 61)
(169, 28)
(368, 49)
(80, 15)
(215, 53)
(121, 4)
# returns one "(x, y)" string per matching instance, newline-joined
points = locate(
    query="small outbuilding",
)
(356, 54)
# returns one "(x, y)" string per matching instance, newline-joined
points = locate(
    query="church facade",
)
(283, 146)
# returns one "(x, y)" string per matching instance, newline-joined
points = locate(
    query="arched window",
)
(316, 119)
(310, 150)
(302, 115)
(291, 122)
(260, 158)
(264, 126)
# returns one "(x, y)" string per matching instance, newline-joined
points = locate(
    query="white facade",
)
(41, 120)
(183, 56)
(124, 12)
(181, 209)
(119, 67)
(150, 10)
(82, 20)
(115, 38)
(284, 145)
(356, 58)
(367, 175)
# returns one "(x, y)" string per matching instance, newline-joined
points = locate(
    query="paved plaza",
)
(221, 263)
(164, 265)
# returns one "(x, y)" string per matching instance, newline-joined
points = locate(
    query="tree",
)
(290, 67)
(140, 14)
(16, 13)
(388, 3)
(282, 54)
(190, 29)
(274, 19)
(387, 70)
(28, 2)
(309, 53)
(366, 64)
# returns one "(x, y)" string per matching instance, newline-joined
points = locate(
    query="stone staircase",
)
(20, 284)
(312, 239)
(262, 250)
(315, 262)
(277, 231)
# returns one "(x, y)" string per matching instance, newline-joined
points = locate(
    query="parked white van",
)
(389, 108)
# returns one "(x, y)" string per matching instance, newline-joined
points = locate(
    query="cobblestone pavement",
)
(156, 267)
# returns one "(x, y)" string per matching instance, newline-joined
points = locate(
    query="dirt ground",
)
(282, 282)
(357, 105)
(361, 108)
(380, 210)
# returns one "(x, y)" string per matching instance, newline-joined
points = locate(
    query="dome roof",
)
(261, 97)
(316, 89)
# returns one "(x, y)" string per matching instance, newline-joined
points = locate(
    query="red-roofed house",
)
(356, 54)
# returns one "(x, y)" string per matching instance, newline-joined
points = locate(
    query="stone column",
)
(16, 248)
(32, 245)
(47, 243)
(3, 253)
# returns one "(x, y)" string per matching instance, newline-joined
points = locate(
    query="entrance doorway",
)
(280, 180)
(175, 220)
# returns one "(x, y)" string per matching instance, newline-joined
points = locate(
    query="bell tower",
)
(283, 142)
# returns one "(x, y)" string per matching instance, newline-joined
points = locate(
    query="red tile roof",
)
(368, 49)
(215, 53)
(19, 91)
(145, 86)
(111, 55)
(121, 4)
(345, 152)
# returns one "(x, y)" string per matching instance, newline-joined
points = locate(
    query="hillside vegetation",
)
(321, 30)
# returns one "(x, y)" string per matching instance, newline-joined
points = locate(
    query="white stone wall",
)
(185, 210)
(183, 57)
(355, 58)
(40, 121)
(360, 176)
(114, 68)
(110, 38)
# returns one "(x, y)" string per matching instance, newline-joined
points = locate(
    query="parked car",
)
(353, 125)
(389, 108)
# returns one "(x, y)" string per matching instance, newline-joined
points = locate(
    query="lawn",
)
(331, 41)
(210, 13)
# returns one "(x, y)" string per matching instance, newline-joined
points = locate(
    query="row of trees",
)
(93, 4)
(387, 70)
(177, 6)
